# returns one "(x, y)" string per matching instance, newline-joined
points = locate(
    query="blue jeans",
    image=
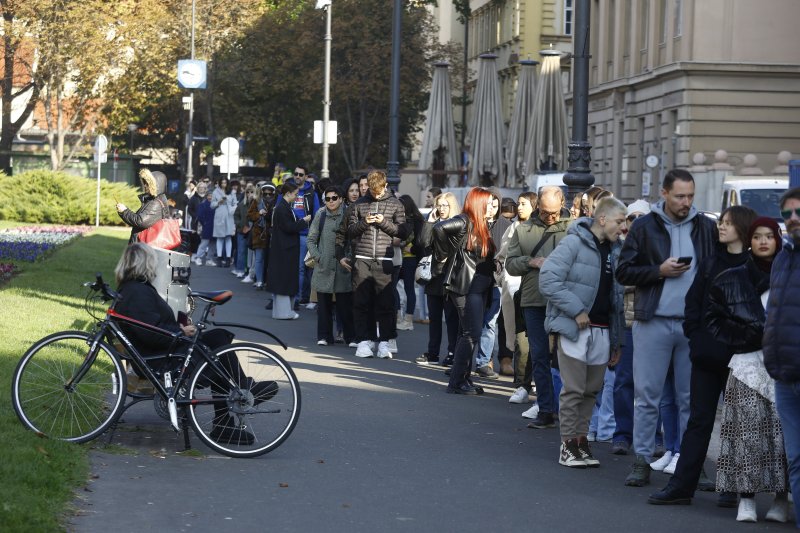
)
(540, 358)
(623, 392)
(258, 264)
(787, 401)
(602, 422)
(489, 331)
(241, 252)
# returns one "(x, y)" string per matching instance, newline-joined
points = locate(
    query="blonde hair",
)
(608, 206)
(450, 198)
(138, 263)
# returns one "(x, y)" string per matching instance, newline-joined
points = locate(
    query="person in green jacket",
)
(529, 246)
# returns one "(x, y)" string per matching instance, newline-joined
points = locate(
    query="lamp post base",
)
(393, 174)
(579, 177)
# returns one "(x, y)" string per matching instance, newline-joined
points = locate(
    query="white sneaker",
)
(519, 396)
(405, 323)
(311, 306)
(532, 413)
(322, 342)
(353, 345)
(392, 343)
(247, 279)
(364, 349)
(258, 285)
(662, 462)
(779, 512)
(211, 263)
(747, 510)
(240, 275)
(384, 352)
(670, 468)
(197, 261)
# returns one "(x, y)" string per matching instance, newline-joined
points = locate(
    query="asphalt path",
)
(379, 447)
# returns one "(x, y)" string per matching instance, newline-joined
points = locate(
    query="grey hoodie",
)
(673, 297)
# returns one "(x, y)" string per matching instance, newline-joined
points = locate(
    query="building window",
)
(678, 26)
(568, 14)
(662, 20)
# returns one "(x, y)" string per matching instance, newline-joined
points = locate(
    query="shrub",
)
(45, 196)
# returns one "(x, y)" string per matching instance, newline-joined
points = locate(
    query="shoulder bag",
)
(166, 233)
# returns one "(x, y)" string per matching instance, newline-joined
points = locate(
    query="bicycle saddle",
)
(213, 297)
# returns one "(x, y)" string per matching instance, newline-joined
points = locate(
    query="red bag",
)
(166, 234)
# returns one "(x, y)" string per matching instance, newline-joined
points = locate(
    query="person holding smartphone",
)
(653, 259)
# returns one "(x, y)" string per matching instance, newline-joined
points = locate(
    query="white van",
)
(535, 182)
(760, 193)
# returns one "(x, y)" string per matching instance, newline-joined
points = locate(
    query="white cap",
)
(639, 206)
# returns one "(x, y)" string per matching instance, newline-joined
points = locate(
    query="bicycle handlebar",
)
(100, 286)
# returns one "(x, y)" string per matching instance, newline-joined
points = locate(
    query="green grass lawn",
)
(38, 476)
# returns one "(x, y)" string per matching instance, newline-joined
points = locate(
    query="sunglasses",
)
(787, 213)
(631, 218)
(331, 198)
(299, 174)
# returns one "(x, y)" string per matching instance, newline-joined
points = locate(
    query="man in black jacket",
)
(372, 223)
(782, 335)
(660, 258)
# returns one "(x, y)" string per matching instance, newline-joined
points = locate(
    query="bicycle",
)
(241, 399)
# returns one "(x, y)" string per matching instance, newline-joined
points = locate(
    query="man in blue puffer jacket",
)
(782, 335)
(585, 308)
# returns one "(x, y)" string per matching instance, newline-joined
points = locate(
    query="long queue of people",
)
(625, 323)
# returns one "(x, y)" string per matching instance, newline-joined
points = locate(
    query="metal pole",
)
(579, 174)
(97, 213)
(189, 139)
(393, 165)
(326, 104)
(462, 177)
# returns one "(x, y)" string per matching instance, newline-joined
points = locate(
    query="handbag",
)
(423, 274)
(166, 233)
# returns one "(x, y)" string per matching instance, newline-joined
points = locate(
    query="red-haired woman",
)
(464, 252)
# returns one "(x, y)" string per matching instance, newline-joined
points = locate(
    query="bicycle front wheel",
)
(251, 417)
(77, 413)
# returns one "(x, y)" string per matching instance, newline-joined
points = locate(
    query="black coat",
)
(646, 246)
(704, 350)
(782, 328)
(735, 314)
(283, 276)
(153, 208)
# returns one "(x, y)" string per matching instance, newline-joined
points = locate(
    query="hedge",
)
(43, 196)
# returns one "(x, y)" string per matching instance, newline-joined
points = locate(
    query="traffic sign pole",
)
(100, 145)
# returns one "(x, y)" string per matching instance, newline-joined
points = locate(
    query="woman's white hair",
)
(138, 262)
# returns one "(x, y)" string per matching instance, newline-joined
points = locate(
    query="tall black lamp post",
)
(393, 164)
(579, 174)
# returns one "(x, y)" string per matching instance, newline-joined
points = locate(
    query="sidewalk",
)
(379, 447)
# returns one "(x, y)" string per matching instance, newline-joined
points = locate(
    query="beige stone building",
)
(672, 78)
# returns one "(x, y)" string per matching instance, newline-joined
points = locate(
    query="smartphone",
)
(373, 209)
(685, 260)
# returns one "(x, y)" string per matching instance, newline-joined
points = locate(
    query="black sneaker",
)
(464, 388)
(427, 359)
(543, 421)
(728, 500)
(486, 372)
(620, 447)
(229, 433)
(570, 455)
(669, 496)
(640, 473)
(586, 453)
(448, 361)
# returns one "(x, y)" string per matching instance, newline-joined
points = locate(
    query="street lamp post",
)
(579, 175)
(131, 129)
(326, 104)
(393, 165)
(189, 139)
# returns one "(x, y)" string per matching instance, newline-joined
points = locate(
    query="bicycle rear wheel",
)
(253, 418)
(79, 413)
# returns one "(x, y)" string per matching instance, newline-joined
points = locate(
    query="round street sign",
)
(101, 144)
(230, 146)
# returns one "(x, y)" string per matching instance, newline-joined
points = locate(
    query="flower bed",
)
(29, 243)
(7, 270)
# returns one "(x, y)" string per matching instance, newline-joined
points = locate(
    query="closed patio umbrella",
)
(487, 129)
(519, 130)
(439, 150)
(549, 125)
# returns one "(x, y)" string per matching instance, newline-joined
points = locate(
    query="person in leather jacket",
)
(752, 457)
(464, 254)
(154, 204)
(649, 260)
(709, 359)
